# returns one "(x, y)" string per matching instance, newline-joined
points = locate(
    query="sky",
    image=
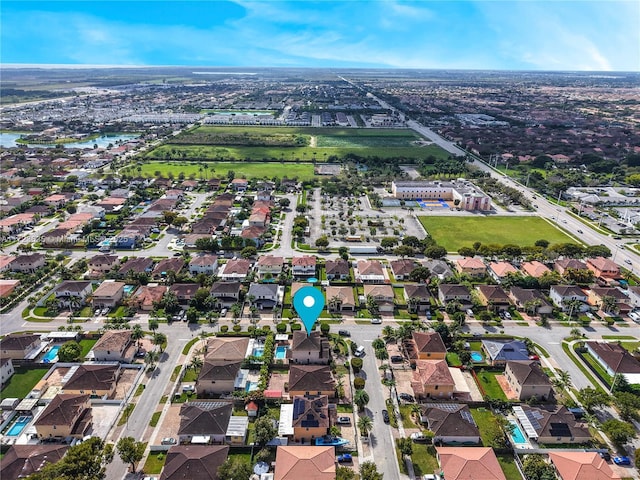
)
(592, 35)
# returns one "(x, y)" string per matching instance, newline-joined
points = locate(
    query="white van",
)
(359, 351)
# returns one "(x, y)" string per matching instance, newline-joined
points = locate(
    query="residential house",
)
(67, 415)
(563, 297)
(28, 263)
(294, 462)
(73, 294)
(207, 264)
(499, 352)
(218, 376)
(6, 370)
(204, 421)
(530, 300)
(448, 292)
(528, 380)
(464, 463)
(425, 346)
(561, 266)
(114, 346)
(235, 270)
(402, 268)
(500, 270)
(18, 346)
(382, 295)
(303, 266)
(634, 295)
(337, 269)
(239, 184)
(270, 266)
(340, 299)
(615, 359)
(310, 418)
(147, 296)
(259, 218)
(97, 380)
(137, 265)
(22, 461)
(167, 265)
(7, 287)
(309, 349)
(184, 291)
(582, 466)
(474, 267)
(432, 379)
(194, 462)
(418, 297)
(102, 264)
(108, 294)
(450, 423)
(225, 294)
(493, 297)
(5, 262)
(369, 271)
(308, 380)
(265, 295)
(534, 269)
(603, 268)
(551, 424)
(227, 348)
(597, 294)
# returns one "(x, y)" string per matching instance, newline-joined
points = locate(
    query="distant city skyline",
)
(484, 35)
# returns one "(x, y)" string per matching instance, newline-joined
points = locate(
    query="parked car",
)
(344, 421)
(345, 458)
(606, 456)
(376, 321)
(168, 441)
(622, 460)
(396, 359)
(419, 437)
(470, 312)
(141, 353)
(385, 416)
(359, 351)
(344, 333)
(407, 398)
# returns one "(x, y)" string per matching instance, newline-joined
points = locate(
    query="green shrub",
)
(356, 364)
(358, 383)
(324, 328)
(295, 327)
(237, 328)
(281, 327)
(224, 328)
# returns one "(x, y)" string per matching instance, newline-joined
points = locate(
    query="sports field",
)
(289, 144)
(456, 232)
(303, 171)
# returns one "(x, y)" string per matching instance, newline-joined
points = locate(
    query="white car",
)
(376, 321)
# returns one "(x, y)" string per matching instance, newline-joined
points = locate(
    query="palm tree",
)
(609, 304)
(575, 333)
(365, 424)
(389, 333)
(137, 334)
(153, 324)
(151, 358)
(196, 363)
(334, 303)
(361, 399)
(413, 304)
(159, 339)
(562, 380)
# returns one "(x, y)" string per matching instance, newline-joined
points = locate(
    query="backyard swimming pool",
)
(516, 435)
(281, 352)
(477, 357)
(258, 351)
(51, 355)
(128, 289)
(17, 427)
(251, 386)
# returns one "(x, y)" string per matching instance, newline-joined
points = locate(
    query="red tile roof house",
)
(493, 297)
(383, 296)
(582, 466)
(270, 265)
(474, 267)
(432, 379)
(147, 295)
(469, 463)
(603, 268)
(237, 269)
(615, 359)
(401, 269)
(207, 264)
(303, 266)
(534, 269)
(499, 270)
(369, 271)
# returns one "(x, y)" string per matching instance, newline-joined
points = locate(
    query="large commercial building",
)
(461, 193)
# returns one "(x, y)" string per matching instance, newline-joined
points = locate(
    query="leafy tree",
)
(369, 471)
(153, 324)
(192, 315)
(365, 423)
(361, 399)
(388, 242)
(234, 468)
(130, 451)
(358, 383)
(284, 202)
(444, 331)
(403, 251)
(419, 274)
(535, 468)
(590, 398)
(325, 328)
(70, 351)
(405, 445)
(628, 404)
(467, 252)
(85, 461)
(618, 431)
(597, 251)
(322, 242)
(264, 430)
(248, 252)
(356, 364)
(542, 243)
(435, 251)
(345, 473)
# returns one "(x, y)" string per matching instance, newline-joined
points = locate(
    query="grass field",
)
(318, 144)
(456, 232)
(22, 382)
(304, 171)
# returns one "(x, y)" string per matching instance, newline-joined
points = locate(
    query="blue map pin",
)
(309, 303)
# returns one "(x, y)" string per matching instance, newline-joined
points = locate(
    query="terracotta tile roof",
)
(369, 267)
(194, 462)
(534, 269)
(270, 261)
(471, 262)
(203, 260)
(148, 294)
(430, 372)
(108, 289)
(501, 269)
(297, 462)
(345, 294)
(306, 261)
(582, 466)
(238, 266)
(469, 463)
(379, 291)
(603, 264)
(227, 348)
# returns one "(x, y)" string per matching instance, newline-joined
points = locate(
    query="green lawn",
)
(424, 460)
(486, 423)
(303, 171)
(456, 232)
(407, 419)
(490, 385)
(508, 465)
(154, 463)
(86, 345)
(22, 382)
